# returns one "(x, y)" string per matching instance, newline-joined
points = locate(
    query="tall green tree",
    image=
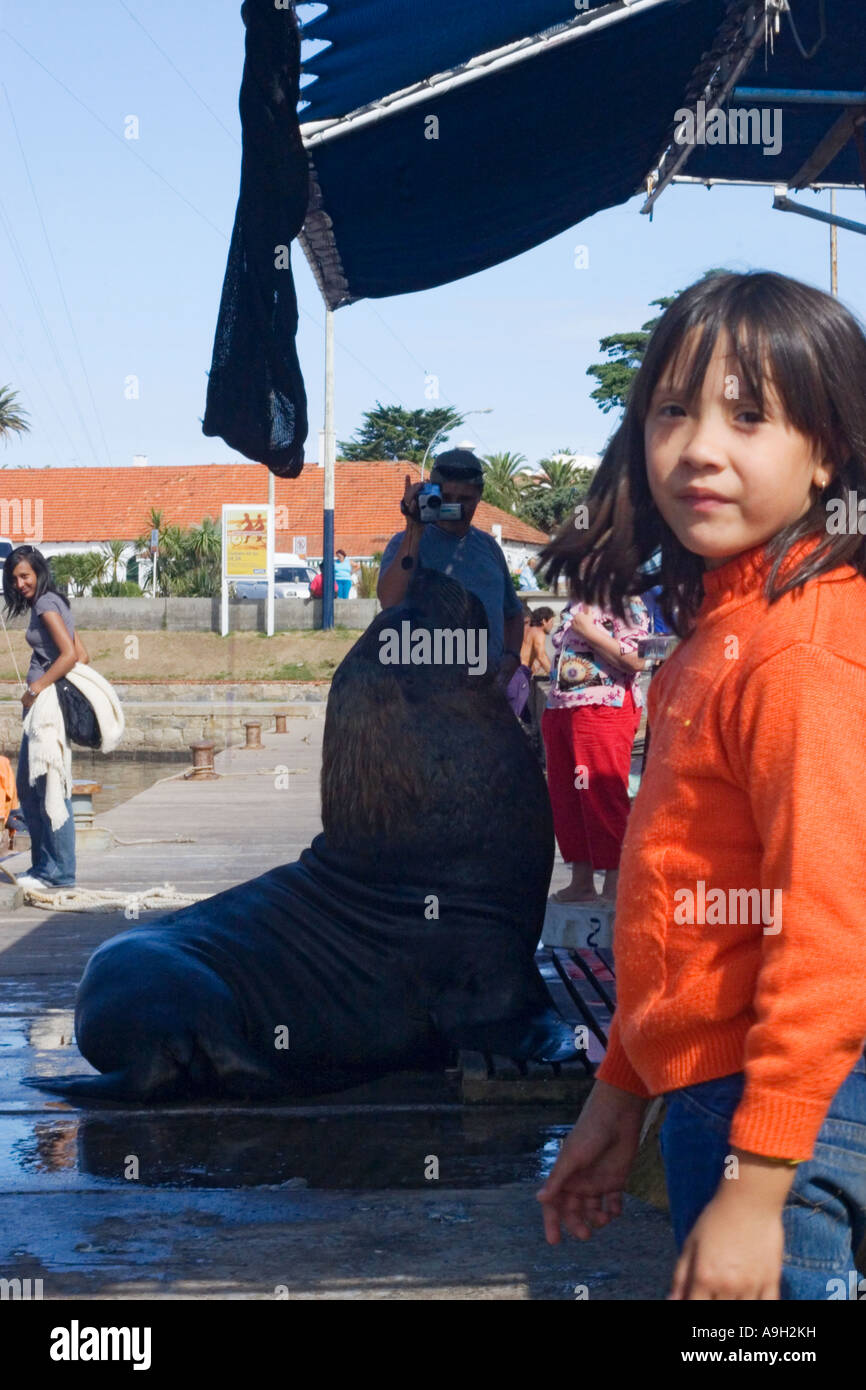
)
(504, 477)
(625, 353)
(13, 420)
(390, 432)
(547, 507)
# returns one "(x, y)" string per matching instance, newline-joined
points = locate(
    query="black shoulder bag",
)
(79, 718)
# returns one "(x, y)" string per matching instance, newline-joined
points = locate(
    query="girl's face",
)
(724, 476)
(24, 579)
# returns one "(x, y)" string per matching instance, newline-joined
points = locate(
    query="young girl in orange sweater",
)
(740, 934)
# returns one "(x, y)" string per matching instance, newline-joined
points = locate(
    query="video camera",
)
(432, 508)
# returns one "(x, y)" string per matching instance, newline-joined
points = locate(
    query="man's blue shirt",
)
(477, 562)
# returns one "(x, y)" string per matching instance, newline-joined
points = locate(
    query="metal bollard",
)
(280, 716)
(254, 733)
(82, 802)
(202, 761)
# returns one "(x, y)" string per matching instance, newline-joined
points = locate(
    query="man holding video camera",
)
(439, 535)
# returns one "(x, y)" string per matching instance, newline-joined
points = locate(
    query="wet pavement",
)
(393, 1190)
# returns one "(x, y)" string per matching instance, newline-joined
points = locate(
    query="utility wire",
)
(181, 75)
(69, 318)
(16, 369)
(25, 274)
(409, 353)
(48, 394)
(127, 144)
(114, 134)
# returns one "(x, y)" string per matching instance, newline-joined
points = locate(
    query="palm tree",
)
(13, 420)
(504, 475)
(556, 472)
(94, 567)
(207, 540)
(142, 542)
(113, 552)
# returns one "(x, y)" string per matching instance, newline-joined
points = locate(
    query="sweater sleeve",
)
(615, 1068)
(800, 741)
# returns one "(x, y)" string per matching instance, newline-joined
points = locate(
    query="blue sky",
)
(138, 232)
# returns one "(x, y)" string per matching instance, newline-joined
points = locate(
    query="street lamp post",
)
(446, 429)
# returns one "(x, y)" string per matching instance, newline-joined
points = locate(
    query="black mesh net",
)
(255, 397)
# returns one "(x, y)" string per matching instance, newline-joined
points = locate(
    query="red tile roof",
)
(102, 504)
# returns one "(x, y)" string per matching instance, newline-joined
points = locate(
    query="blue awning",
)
(441, 139)
(475, 164)
(380, 46)
(470, 173)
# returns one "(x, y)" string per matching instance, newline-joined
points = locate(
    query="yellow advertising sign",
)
(246, 542)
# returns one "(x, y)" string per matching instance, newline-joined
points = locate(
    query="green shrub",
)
(117, 588)
(367, 577)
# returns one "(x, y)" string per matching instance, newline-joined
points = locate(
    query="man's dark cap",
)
(459, 466)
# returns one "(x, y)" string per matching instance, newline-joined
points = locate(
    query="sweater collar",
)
(746, 574)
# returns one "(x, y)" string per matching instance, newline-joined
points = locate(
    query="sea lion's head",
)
(407, 706)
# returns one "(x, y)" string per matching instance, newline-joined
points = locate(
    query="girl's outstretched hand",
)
(584, 1191)
(731, 1254)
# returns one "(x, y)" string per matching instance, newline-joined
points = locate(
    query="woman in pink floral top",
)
(592, 715)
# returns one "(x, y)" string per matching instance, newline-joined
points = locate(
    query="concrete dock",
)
(332, 1198)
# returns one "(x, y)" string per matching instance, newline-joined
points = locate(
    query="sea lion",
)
(406, 931)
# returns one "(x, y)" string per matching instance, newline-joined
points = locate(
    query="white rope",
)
(11, 649)
(162, 899)
(175, 840)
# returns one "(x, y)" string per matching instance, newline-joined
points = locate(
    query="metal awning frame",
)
(735, 60)
(722, 89)
(522, 50)
(316, 238)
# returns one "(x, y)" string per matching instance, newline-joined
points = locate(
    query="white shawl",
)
(48, 751)
(49, 755)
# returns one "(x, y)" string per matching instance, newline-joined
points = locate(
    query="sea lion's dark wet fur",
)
(430, 794)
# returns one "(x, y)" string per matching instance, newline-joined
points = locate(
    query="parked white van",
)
(292, 577)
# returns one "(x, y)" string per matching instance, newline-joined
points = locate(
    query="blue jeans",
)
(52, 851)
(825, 1214)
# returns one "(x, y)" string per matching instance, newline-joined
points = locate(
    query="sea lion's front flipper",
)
(539, 1037)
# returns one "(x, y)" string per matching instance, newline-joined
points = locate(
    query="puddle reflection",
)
(350, 1152)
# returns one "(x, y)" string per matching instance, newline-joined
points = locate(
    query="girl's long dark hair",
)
(813, 351)
(45, 583)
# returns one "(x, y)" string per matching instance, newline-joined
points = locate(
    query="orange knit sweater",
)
(755, 780)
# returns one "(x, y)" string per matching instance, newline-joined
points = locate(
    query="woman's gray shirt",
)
(45, 649)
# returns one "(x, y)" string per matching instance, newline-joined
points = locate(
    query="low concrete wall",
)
(173, 726)
(203, 614)
(169, 717)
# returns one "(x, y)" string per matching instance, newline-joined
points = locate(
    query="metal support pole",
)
(330, 451)
(271, 549)
(784, 204)
(799, 96)
(834, 238)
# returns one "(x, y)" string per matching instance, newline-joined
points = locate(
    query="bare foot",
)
(575, 895)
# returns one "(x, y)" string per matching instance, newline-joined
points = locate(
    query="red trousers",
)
(590, 745)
